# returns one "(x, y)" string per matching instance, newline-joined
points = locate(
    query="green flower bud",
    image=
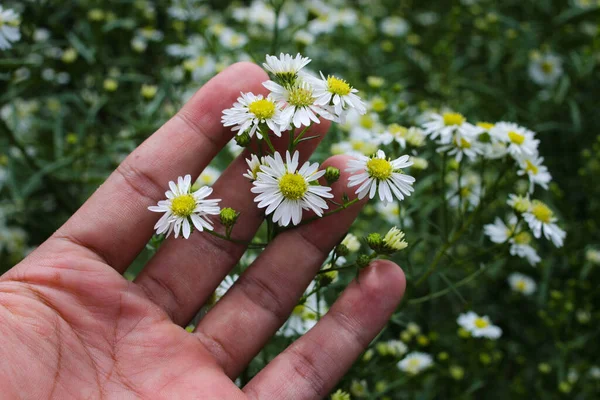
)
(342, 250)
(363, 261)
(228, 217)
(243, 139)
(375, 242)
(332, 174)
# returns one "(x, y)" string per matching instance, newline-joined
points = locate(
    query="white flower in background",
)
(336, 92)
(394, 26)
(393, 133)
(519, 203)
(470, 190)
(378, 174)
(285, 67)
(593, 256)
(351, 242)
(231, 39)
(187, 10)
(521, 141)
(286, 190)
(415, 362)
(202, 67)
(545, 69)
(194, 48)
(541, 219)
(479, 326)
(464, 143)
(259, 13)
(225, 285)
(304, 37)
(252, 113)
(443, 126)
(184, 208)
(298, 103)
(499, 232)
(41, 35)
(524, 250)
(522, 283)
(535, 171)
(594, 372)
(13, 239)
(304, 316)
(395, 348)
(208, 176)
(9, 28)
(254, 164)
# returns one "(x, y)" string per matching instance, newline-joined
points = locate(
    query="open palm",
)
(73, 327)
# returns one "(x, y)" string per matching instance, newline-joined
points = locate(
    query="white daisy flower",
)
(253, 113)
(535, 171)
(184, 208)
(519, 203)
(225, 285)
(378, 174)
(541, 219)
(479, 326)
(254, 164)
(468, 194)
(286, 68)
(443, 126)
(286, 190)
(298, 103)
(464, 143)
(499, 232)
(9, 28)
(336, 92)
(208, 177)
(545, 69)
(415, 362)
(525, 250)
(393, 133)
(521, 141)
(522, 283)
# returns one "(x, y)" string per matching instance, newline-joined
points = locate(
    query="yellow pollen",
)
(521, 286)
(463, 144)
(516, 138)
(256, 170)
(414, 363)
(338, 86)
(547, 67)
(379, 168)
(453, 119)
(481, 323)
(464, 192)
(542, 212)
(523, 238)
(292, 186)
(530, 167)
(485, 125)
(366, 121)
(263, 109)
(183, 206)
(301, 97)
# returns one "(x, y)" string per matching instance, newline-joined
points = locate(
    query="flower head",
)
(520, 141)
(479, 326)
(415, 362)
(286, 68)
(443, 126)
(286, 190)
(541, 219)
(522, 283)
(254, 166)
(254, 114)
(337, 93)
(394, 240)
(379, 174)
(183, 208)
(535, 171)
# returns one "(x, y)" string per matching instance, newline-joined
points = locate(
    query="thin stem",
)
(443, 196)
(275, 40)
(268, 142)
(297, 140)
(327, 214)
(448, 289)
(237, 241)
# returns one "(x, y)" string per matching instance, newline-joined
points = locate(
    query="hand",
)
(73, 327)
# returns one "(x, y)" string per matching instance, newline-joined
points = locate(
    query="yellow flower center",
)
(414, 363)
(516, 138)
(485, 125)
(298, 310)
(542, 212)
(184, 205)
(379, 168)
(547, 67)
(521, 286)
(453, 119)
(462, 143)
(530, 167)
(397, 130)
(522, 238)
(263, 109)
(465, 192)
(366, 121)
(301, 97)
(522, 204)
(481, 323)
(338, 86)
(292, 186)
(256, 170)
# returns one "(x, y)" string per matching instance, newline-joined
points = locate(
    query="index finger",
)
(115, 224)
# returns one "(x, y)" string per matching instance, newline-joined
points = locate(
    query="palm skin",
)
(73, 327)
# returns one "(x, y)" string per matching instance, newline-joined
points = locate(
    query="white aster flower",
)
(351, 242)
(394, 240)
(337, 93)
(464, 142)
(541, 219)
(184, 208)
(545, 69)
(499, 232)
(298, 103)
(394, 26)
(286, 68)
(286, 190)
(443, 126)
(253, 113)
(519, 203)
(521, 141)
(225, 285)
(594, 372)
(378, 174)
(208, 176)
(415, 362)
(535, 171)
(522, 283)
(525, 250)
(254, 164)
(479, 326)
(9, 28)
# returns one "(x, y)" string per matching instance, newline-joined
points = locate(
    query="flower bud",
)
(363, 261)
(342, 250)
(243, 139)
(332, 174)
(375, 242)
(228, 217)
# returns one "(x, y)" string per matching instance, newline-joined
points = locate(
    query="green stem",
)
(297, 140)
(447, 290)
(275, 40)
(443, 195)
(327, 214)
(268, 142)
(237, 241)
